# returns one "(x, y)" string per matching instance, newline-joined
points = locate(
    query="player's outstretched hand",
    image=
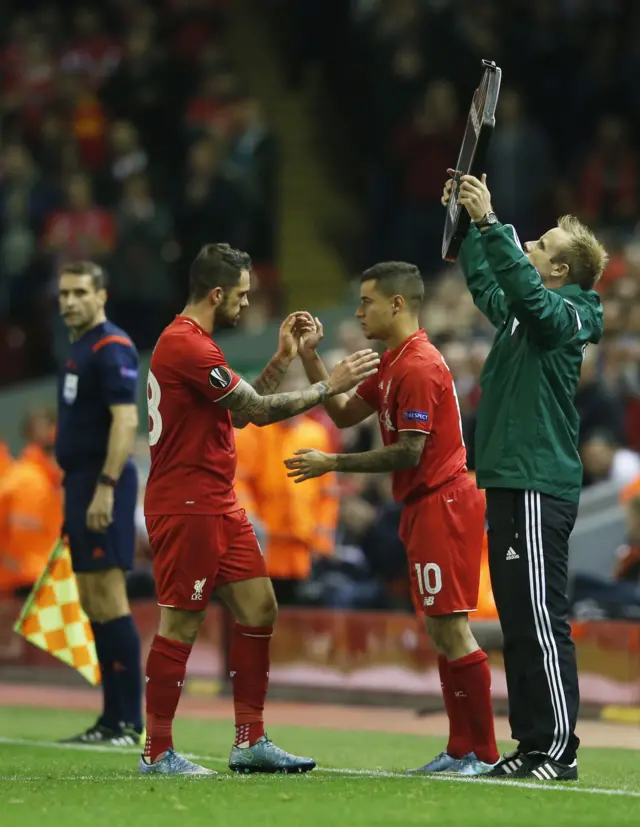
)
(474, 196)
(307, 463)
(353, 370)
(292, 329)
(310, 340)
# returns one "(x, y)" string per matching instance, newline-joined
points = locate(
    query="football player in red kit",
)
(201, 539)
(442, 522)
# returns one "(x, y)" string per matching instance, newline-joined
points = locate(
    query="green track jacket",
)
(527, 428)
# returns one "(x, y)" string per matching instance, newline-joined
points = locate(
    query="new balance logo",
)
(511, 555)
(198, 586)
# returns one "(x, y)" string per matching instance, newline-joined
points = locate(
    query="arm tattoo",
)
(248, 406)
(266, 384)
(405, 453)
(269, 380)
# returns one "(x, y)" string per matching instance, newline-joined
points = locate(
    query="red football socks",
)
(460, 740)
(166, 668)
(471, 677)
(249, 664)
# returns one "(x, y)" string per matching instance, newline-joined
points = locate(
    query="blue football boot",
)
(265, 756)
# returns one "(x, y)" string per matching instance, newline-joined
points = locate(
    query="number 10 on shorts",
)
(429, 581)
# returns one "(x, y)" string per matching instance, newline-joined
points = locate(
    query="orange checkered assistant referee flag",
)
(52, 617)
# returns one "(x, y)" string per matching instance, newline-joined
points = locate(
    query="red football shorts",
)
(442, 534)
(194, 553)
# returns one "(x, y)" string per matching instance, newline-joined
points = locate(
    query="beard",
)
(224, 318)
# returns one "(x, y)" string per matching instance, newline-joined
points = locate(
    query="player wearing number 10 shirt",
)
(201, 540)
(442, 523)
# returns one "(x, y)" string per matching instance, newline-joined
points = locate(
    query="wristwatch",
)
(105, 479)
(487, 220)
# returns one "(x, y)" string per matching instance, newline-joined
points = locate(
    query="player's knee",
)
(451, 635)
(261, 612)
(180, 624)
(268, 612)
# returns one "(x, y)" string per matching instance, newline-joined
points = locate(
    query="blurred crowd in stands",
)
(127, 136)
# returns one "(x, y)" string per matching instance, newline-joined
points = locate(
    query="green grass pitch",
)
(358, 783)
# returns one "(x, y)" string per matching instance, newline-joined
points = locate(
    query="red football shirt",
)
(193, 452)
(414, 391)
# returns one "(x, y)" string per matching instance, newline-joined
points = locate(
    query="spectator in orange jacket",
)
(486, 603)
(30, 507)
(296, 523)
(630, 491)
(6, 460)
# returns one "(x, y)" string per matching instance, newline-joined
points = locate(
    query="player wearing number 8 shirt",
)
(201, 540)
(442, 521)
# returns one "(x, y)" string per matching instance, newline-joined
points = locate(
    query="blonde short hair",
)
(584, 254)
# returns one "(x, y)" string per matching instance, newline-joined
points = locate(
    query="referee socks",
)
(118, 649)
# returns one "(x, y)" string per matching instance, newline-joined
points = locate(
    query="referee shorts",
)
(91, 550)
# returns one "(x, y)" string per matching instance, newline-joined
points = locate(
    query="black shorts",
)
(91, 550)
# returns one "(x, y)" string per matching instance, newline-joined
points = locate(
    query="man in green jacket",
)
(542, 302)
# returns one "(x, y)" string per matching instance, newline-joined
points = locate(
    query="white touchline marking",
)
(30, 779)
(557, 786)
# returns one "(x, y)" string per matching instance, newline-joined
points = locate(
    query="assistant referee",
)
(542, 302)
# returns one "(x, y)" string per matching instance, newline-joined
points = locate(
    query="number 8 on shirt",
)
(200, 536)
